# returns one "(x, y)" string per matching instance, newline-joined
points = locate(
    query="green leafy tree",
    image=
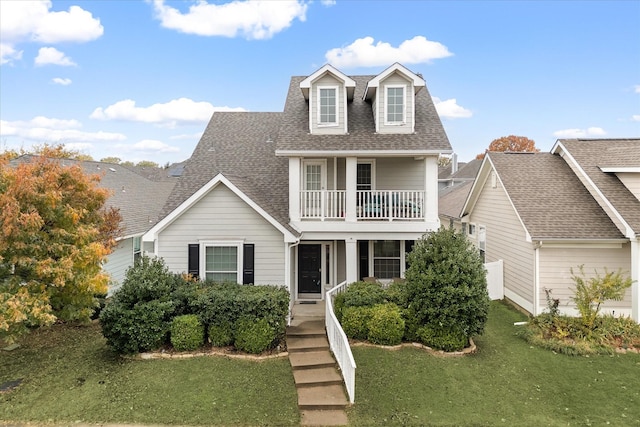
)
(55, 233)
(591, 292)
(446, 284)
(115, 160)
(147, 164)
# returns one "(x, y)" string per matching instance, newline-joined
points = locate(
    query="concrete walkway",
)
(321, 395)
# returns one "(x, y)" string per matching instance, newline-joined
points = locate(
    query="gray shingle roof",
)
(451, 199)
(138, 198)
(550, 199)
(294, 134)
(241, 146)
(594, 154)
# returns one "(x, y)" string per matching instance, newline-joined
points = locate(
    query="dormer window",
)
(327, 106)
(395, 105)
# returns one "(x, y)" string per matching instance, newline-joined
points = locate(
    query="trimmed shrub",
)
(386, 326)
(411, 325)
(187, 332)
(142, 327)
(338, 306)
(355, 322)
(254, 335)
(446, 283)
(440, 338)
(396, 293)
(220, 335)
(226, 303)
(360, 294)
(138, 316)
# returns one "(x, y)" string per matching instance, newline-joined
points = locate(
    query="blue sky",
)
(139, 80)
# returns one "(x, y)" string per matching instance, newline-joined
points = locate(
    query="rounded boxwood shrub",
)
(386, 325)
(355, 322)
(439, 338)
(254, 335)
(446, 283)
(187, 332)
(220, 335)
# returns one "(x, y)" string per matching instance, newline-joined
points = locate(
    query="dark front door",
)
(309, 269)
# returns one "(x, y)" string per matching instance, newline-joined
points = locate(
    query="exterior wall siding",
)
(407, 127)
(506, 240)
(631, 181)
(327, 80)
(118, 262)
(221, 215)
(555, 273)
(398, 173)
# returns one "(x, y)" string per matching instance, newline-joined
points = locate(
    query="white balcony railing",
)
(376, 204)
(339, 343)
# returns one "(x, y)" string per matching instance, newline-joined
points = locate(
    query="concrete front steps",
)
(321, 396)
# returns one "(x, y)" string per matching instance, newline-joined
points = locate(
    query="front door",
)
(310, 269)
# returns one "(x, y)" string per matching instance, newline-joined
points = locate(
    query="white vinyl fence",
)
(339, 343)
(495, 283)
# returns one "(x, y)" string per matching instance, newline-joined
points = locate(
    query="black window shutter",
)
(248, 261)
(363, 255)
(194, 260)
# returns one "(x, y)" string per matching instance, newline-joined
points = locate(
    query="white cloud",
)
(328, 2)
(188, 137)
(47, 130)
(636, 88)
(249, 19)
(579, 133)
(635, 118)
(8, 54)
(170, 114)
(79, 146)
(450, 109)
(152, 145)
(51, 55)
(363, 53)
(32, 20)
(61, 81)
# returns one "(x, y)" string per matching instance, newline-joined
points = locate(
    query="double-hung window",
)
(223, 261)
(137, 248)
(386, 259)
(327, 106)
(395, 105)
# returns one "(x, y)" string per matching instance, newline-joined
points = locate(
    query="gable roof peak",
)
(416, 79)
(349, 83)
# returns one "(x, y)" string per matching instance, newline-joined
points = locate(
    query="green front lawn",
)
(507, 382)
(70, 375)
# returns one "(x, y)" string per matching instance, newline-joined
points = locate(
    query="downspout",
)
(536, 278)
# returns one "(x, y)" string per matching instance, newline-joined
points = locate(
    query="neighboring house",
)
(334, 188)
(139, 195)
(453, 192)
(546, 213)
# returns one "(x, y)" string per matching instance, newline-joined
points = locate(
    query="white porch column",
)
(351, 176)
(351, 258)
(294, 189)
(431, 188)
(635, 276)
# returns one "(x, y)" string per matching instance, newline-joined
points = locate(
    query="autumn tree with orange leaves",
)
(55, 233)
(511, 143)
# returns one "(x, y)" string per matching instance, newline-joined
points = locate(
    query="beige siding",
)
(118, 262)
(506, 240)
(631, 181)
(393, 80)
(396, 173)
(221, 215)
(327, 80)
(555, 272)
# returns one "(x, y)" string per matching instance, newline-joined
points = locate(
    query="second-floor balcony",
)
(378, 205)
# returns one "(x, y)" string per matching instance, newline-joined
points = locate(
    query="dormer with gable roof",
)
(392, 97)
(328, 91)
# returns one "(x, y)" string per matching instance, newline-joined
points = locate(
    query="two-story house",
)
(335, 188)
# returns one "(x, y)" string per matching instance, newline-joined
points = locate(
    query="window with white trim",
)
(387, 259)
(137, 248)
(482, 241)
(327, 106)
(395, 111)
(222, 261)
(472, 230)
